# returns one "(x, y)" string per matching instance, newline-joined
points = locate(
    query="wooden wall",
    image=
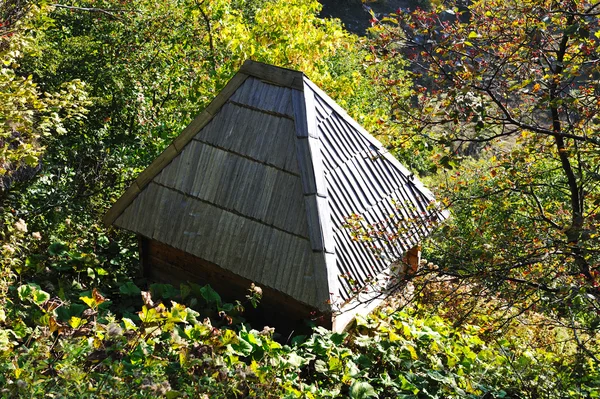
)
(165, 264)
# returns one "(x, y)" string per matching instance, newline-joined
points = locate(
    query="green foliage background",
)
(91, 92)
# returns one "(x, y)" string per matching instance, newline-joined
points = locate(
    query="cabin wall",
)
(165, 264)
(413, 259)
(366, 301)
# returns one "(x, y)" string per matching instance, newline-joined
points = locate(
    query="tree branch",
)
(108, 12)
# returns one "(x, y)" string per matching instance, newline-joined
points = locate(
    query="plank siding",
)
(258, 94)
(172, 265)
(228, 181)
(263, 137)
(214, 230)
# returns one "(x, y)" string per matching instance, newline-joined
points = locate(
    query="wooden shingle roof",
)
(262, 181)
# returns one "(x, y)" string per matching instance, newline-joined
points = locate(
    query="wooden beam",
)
(272, 74)
(156, 166)
(123, 202)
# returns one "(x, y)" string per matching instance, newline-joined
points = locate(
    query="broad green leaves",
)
(428, 357)
(28, 113)
(33, 293)
(362, 390)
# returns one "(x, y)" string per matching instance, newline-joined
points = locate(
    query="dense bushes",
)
(94, 91)
(167, 349)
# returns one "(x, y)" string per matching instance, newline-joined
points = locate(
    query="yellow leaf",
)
(473, 35)
(89, 301)
(393, 336)
(229, 337)
(412, 351)
(406, 330)
(76, 322)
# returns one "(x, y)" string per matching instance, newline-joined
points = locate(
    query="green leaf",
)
(129, 289)
(57, 249)
(184, 290)
(6, 342)
(40, 297)
(412, 351)
(338, 338)
(164, 291)
(76, 322)
(31, 160)
(229, 337)
(242, 347)
(361, 390)
(335, 364)
(321, 367)
(210, 295)
(33, 293)
(294, 360)
(386, 380)
(407, 385)
(129, 324)
(20, 329)
(25, 291)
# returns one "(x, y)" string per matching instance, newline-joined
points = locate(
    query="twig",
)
(108, 12)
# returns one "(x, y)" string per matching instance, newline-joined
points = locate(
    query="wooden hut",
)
(258, 189)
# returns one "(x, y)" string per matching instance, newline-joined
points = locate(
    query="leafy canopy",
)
(515, 83)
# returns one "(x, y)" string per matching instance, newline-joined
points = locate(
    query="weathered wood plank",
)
(278, 309)
(306, 166)
(192, 129)
(316, 155)
(252, 134)
(326, 230)
(299, 108)
(321, 281)
(263, 96)
(156, 166)
(227, 91)
(238, 184)
(314, 224)
(123, 202)
(339, 110)
(272, 74)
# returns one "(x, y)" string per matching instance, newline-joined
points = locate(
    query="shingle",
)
(262, 184)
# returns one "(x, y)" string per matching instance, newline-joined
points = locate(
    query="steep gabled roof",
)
(262, 181)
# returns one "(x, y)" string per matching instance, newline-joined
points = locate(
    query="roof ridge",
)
(280, 76)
